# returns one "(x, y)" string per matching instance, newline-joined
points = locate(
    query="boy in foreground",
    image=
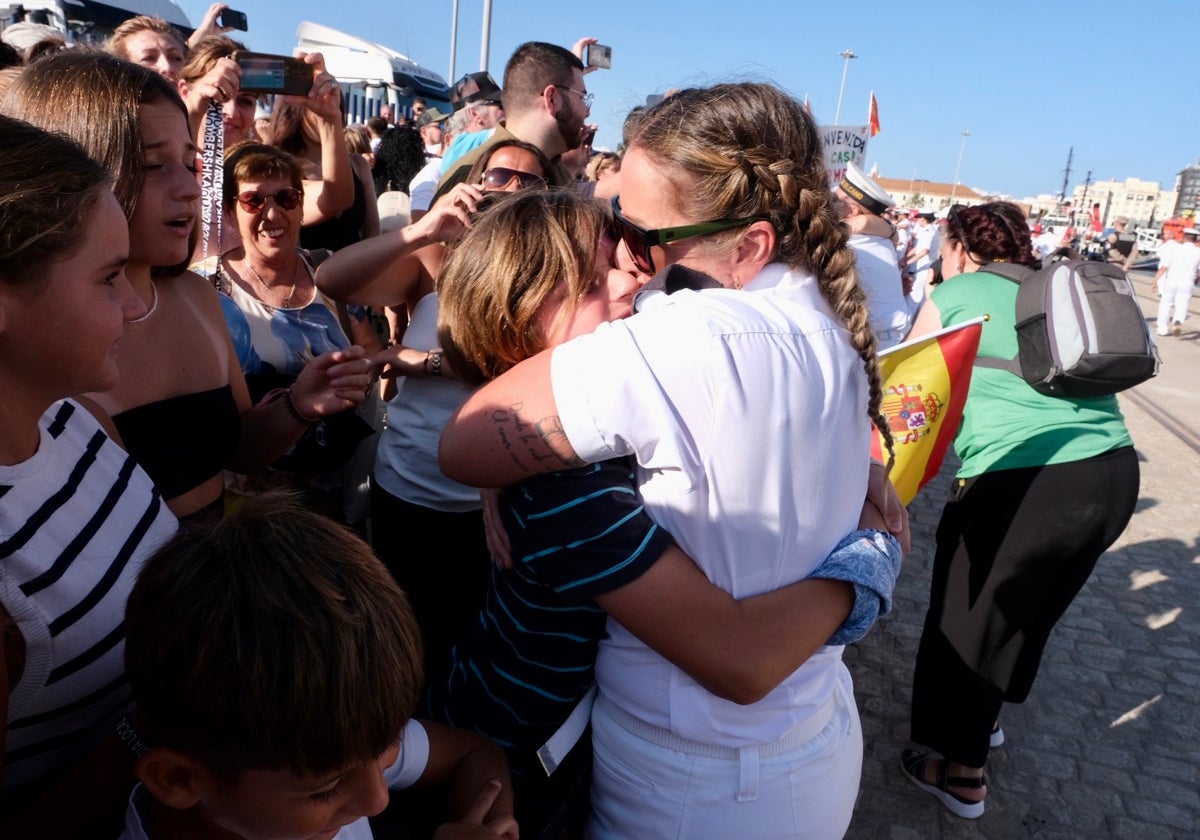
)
(275, 668)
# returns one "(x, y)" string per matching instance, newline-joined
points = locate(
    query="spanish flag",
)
(873, 115)
(925, 385)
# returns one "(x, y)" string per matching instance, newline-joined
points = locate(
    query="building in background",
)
(1187, 192)
(928, 196)
(1144, 203)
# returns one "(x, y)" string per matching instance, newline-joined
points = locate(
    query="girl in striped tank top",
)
(77, 516)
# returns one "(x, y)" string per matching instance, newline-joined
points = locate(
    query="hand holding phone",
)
(232, 20)
(598, 55)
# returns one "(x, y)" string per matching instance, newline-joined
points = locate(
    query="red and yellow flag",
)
(873, 115)
(925, 385)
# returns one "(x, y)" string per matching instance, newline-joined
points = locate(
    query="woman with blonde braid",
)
(748, 408)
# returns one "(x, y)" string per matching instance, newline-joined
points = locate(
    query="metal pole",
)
(846, 56)
(453, 40)
(486, 37)
(961, 147)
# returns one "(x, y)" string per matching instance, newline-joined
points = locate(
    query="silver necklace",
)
(153, 304)
(287, 300)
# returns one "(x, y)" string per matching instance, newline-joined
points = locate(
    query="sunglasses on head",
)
(287, 199)
(953, 216)
(639, 241)
(499, 177)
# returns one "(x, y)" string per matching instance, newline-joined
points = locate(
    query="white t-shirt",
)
(747, 413)
(423, 185)
(410, 764)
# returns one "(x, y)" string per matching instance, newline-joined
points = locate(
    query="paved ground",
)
(1108, 744)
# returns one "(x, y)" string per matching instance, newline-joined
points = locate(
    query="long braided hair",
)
(745, 150)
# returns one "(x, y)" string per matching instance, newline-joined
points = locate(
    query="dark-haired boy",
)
(275, 667)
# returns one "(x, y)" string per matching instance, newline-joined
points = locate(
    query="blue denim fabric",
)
(871, 561)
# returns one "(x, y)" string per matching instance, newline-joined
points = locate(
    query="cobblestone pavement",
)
(1108, 743)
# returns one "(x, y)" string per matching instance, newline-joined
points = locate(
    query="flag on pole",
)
(925, 385)
(873, 115)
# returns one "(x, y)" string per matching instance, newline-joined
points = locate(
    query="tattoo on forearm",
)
(536, 446)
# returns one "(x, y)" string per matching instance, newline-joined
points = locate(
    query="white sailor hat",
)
(863, 189)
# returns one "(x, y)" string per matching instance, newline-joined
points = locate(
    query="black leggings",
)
(1014, 548)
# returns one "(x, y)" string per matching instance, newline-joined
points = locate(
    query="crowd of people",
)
(514, 496)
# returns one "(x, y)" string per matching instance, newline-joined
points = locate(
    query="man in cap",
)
(1178, 273)
(476, 99)
(430, 125)
(921, 257)
(1120, 245)
(862, 203)
(545, 104)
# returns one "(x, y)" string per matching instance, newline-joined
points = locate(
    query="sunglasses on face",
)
(640, 241)
(499, 177)
(285, 199)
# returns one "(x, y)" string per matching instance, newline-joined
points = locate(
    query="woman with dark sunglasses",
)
(181, 405)
(748, 408)
(510, 165)
(410, 494)
(1046, 485)
(281, 321)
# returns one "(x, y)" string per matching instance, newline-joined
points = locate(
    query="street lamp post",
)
(958, 168)
(846, 56)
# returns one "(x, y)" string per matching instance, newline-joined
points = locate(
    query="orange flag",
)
(925, 385)
(873, 115)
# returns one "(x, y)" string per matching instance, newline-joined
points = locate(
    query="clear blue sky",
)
(1118, 81)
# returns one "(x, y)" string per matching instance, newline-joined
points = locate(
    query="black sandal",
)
(913, 764)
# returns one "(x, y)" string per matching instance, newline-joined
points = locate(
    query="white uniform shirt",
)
(879, 277)
(747, 413)
(927, 240)
(1183, 265)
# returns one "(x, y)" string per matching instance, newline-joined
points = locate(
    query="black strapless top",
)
(343, 229)
(183, 441)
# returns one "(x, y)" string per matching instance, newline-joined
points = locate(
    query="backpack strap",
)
(1015, 273)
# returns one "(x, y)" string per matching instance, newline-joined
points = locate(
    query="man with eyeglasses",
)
(545, 104)
(861, 204)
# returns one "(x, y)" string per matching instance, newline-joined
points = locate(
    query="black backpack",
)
(1080, 331)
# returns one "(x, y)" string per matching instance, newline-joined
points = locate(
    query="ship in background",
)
(88, 22)
(370, 74)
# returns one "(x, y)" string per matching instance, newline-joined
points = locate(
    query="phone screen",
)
(598, 55)
(263, 73)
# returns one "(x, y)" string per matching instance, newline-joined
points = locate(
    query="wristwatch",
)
(433, 363)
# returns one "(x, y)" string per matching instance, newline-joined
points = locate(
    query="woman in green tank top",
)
(1046, 485)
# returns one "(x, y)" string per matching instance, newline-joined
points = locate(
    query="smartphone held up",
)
(232, 19)
(280, 74)
(599, 55)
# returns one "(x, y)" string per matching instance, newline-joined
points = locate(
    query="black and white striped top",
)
(77, 520)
